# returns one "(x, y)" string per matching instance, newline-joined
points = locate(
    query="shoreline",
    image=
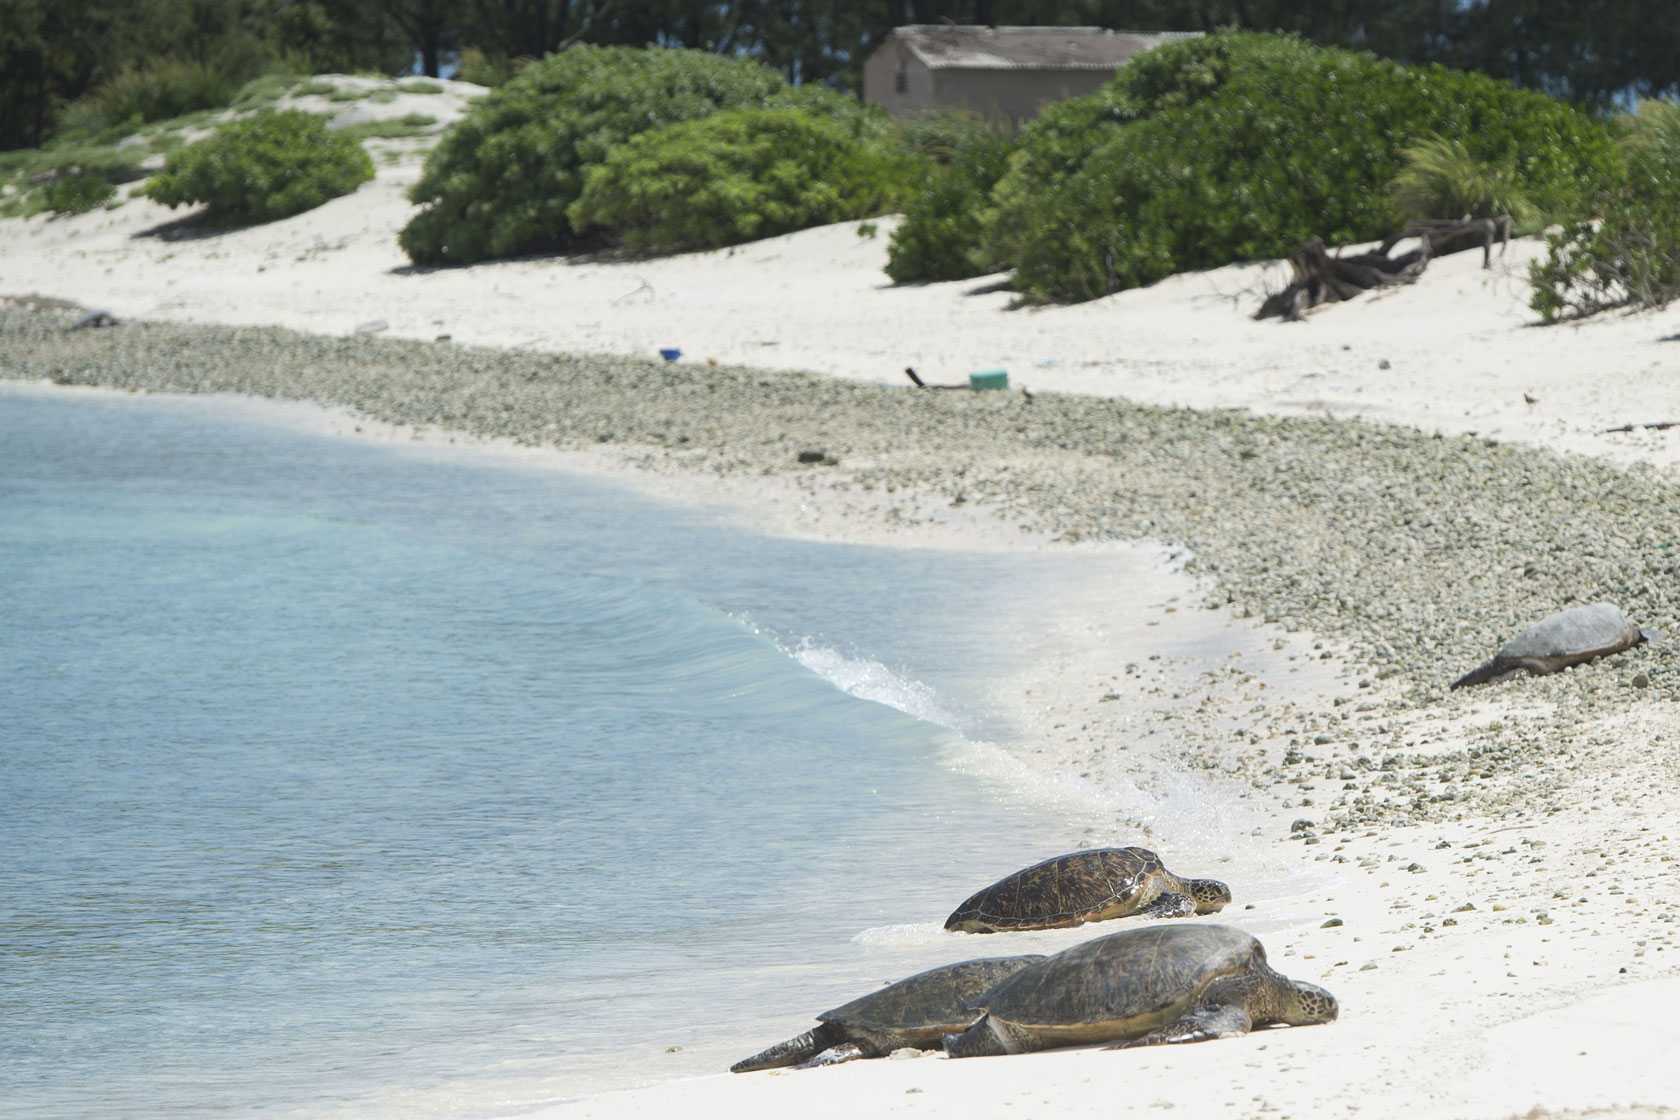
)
(1518, 826)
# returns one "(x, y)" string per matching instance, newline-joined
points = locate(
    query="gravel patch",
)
(1412, 556)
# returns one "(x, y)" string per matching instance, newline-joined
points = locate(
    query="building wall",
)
(881, 80)
(1013, 95)
(897, 81)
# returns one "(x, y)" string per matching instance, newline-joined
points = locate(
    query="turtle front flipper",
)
(1169, 904)
(802, 1048)
(834, 1055)
(1226, 1021)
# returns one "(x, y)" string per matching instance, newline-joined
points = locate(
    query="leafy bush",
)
(391, 128)
(502, 179)
(1631, 254)
(263, 168)
(1653, 131)
(264, 90)
(136, 95)
(76, 194)
(1240, 146)
(739, 175)
(481, 69)
(1441, 179)
(941, 237)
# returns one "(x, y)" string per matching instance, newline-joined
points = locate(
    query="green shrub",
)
(264, 90)
(739, 175)
(941, 135)
(941, 237)
(162, 88)
(1653, 131)
(1240, 146)
(1439, 178)
(502, 179)
(391, 128)
(76, 194)
(262, 168)
(481, 69)
(1631, 254)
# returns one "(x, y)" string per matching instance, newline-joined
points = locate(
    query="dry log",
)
(1321, 278)
(1441, 236)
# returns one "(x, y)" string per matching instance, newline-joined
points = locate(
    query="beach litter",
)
(978, 381)
(670, 353)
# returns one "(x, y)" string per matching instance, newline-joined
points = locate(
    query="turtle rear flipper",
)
(802, 1048)
(1482, 674)
(986, 1038)
(1226, 1021)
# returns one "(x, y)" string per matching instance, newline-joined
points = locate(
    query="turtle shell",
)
(1066, 890)
(1559, 641)
(1588, 631)
(932, 1002)
(1123, 985)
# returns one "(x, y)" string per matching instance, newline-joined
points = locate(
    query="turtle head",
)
(1210, 894)
(1302, 1004)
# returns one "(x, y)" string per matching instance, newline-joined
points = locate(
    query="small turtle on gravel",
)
(95, 319)
(1141, 987)
(916, 1012)
(1089, 886)
(1567, 638)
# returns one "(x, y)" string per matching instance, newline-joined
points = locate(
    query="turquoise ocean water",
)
(341, 778)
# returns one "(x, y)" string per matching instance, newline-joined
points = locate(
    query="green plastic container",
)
(989, 379)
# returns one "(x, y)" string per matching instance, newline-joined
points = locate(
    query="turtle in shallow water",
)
(1088, 886)
(1567, 638)
(916, 1012)
(1140, 987)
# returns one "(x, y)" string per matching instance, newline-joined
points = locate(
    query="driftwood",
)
(1322, 278)
(1441, 236)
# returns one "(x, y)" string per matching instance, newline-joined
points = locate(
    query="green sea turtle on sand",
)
(1139, 987)
(1567, 638)
(916, 1012)
(1088, 886)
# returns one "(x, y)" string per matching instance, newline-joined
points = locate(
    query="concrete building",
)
(1007, 73)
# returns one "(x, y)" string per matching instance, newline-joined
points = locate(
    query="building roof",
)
(958, 47)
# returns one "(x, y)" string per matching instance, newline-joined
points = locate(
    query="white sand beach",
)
(1489, 967)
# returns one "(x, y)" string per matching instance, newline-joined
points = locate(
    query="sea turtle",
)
(1178, 983)
(913, 1012)
(1089, 886)
(1567, 638)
